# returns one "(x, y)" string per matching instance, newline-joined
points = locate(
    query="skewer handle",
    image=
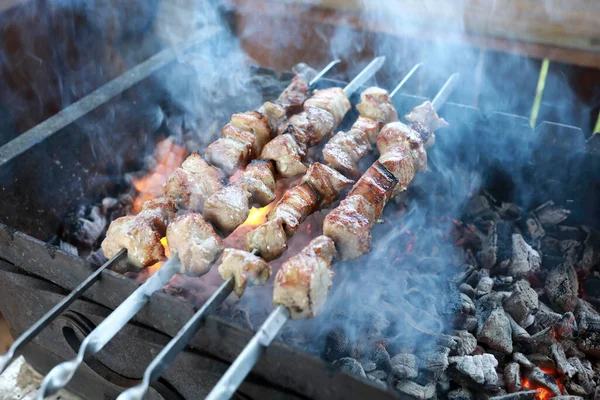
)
(405, 79)
(440, 98)
(364, 75)
(51, 315)
(164, 359)
(324, 71)
(244, 363)
(60, 375)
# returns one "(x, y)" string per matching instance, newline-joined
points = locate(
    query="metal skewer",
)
(60, 375)
(406, 78)
(324, 71)
(244, 363)
(185, 334)
(43, 322)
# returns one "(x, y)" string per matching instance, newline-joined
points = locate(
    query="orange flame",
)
(543, 393)
(257, 216)
(168, 156)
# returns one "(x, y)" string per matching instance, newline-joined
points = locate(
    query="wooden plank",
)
(565, 33)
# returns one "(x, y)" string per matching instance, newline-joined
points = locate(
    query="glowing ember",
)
(543, 393)
(168, 157)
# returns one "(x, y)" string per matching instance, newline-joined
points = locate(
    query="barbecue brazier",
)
(58, 165)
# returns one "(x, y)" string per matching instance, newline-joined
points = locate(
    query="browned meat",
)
(376, 105)
(190, 185)
(426, 117)
(350, 227)
(343, 151)
(333, 100)
(269, 239)
(399, 162)
(159, 212)
(245, 268)
(376, 186)
(304, 280)
(293, 208)
(245, 137)
(310, 126)
(228, 154)
(369, 127)
(398, 134)
(255, 122)
(195, 242)
(289, 102)
(260, 181)
(138, 236)
(326, 182)
(228, 208)
(286, 154)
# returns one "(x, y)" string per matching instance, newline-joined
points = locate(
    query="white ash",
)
(480, 368)
(512, 377)
(496, 332)
(522, 302)
(404, 365)
(525, 259)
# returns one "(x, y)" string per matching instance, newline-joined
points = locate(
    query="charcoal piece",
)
(350, 365)
(512, 377)
(568, 398)
(539, 378)
(467, 305)
(562, 365)
(590, 344)
(467, 289)
(466, 322)
(380, 357)
(404, 365)
(510, 211)
(496, 332)
(82, 227)
(337, 345)
(533, 227)
(584, 309)
(466, 342)
(477, 205)
(435, 360)
(241, 317)
(97, 258)
(369, 366)
(591, 287)
(413, 389)
(591, 253)
(542, 361)
(522, 360)
(549, 214)
(525, 260)
(527, 395)
(480, 368)
(484, 286)
(571, 349)
(584, 376)
(562, 288)
(378, 374)
(545, 316)
(68, 247)
(522, 302)
(565, 327)
(543, 340)
(460, 394)
(519, 334)
(589, 323)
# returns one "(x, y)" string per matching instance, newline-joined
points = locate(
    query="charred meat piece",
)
(260, 181)
(310, 126)
(326, 182)
(246, 137)
(293, 208)
(304, 280)
(255, 122)
(269, 239)
(138, 236)
(286, 154)
(369, 127)
(425, 116)
(400, 163)
(160, 212)
(245, 268)
(376, 105)
(398, 134)
(333, 100)
(289, 102)
(228, 154)
(350, 227)
(196, 243)
(376, 187)
(190, 185)
(343, 151)
(228, 208)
